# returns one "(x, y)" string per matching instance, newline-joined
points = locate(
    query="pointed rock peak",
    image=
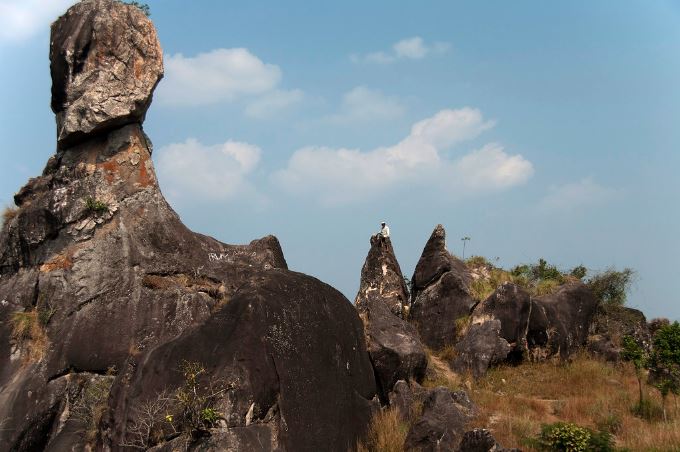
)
(381, 277)
(105, 61)
(435, 260)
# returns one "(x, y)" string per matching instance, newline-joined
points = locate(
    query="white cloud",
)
(334, 176)
(574, 195)
(413, 48)
(217, 172)
(22, 19)
(216, 76)
(272, 103)
(364, 104)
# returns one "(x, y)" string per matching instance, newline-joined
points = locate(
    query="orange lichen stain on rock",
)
(145, 177)
(111, 169)
(63, 261)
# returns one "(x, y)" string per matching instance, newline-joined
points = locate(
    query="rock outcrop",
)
(611, 324)
(441, 425)
(440, 293)
(393, 344)
(559, 322)
(497, 331)
(105, 60)
(100, 278)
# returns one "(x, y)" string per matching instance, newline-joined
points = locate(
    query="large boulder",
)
(611, 324)
(393, 344)
(559, 322)
(441, 425)
(480, 347)
(100, 278)
(105, 60)
(440, 293)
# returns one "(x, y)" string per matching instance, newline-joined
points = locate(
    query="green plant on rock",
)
(610, 286)
(89, 408)
(143, 6)
(95, 206)
(579, 272)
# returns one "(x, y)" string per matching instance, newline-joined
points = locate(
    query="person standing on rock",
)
(384, 230)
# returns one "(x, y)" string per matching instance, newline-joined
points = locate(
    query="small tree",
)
(610, 287)
(633, 352)
(664, 362)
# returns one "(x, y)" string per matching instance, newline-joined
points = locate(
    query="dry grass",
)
(515, 401)
(29, 334)
(386, 433)
(8, 214)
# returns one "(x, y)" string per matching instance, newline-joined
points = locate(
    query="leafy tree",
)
(579, 272)
(633, 352)
(664, 362)
(610, 287)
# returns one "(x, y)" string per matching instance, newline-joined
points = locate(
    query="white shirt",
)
(385, 231)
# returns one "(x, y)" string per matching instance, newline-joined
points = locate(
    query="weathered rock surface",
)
(610, 324)
(497, 331)
(393, 344)
(440, 293)
(105, 62)
(405, 396)
(559, 322)
(481, 440)
(442, 423)
(481, 347)
(111, 282)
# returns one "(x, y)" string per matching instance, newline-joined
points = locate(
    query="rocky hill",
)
(121, 329)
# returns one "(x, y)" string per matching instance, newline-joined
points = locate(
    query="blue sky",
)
(538, 129)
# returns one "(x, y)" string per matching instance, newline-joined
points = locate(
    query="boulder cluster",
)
(121, 329)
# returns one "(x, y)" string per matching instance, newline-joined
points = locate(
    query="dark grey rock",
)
(481, 440)
(440, 293)
(441, 425)
(610, 324)
(393, 344)
(559, 322)
(106, 61)
(481, 347)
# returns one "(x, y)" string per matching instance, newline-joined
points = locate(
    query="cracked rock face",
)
(100, 282)
(440, 293)
(105, 61)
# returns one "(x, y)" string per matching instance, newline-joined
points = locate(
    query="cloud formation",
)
(22, 19)
(364, 104)
(413, 48)
(336, 176)
(224, 75)
(575, 195)
(216, 172)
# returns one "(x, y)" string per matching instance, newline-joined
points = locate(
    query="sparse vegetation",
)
(143, 6)
(95, 206)
(516, 401)
(386, 433)
(8, 214)
(190, 410)
(610, 286)
(89, 408)
(28, 330)
(579, 272)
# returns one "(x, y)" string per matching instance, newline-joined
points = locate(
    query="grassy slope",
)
(515, 401)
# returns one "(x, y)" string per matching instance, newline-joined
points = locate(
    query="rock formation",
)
(440, 293)
(441, 425)
(105, 61)
(106, 297)
(610, 324)
(393, 344)
(559, 322)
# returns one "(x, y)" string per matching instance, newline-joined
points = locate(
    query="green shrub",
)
(96, 206)
(579, 272)
(91, 406)
(568, 437)
(143, 6)
(477, 261)
(610, 287)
